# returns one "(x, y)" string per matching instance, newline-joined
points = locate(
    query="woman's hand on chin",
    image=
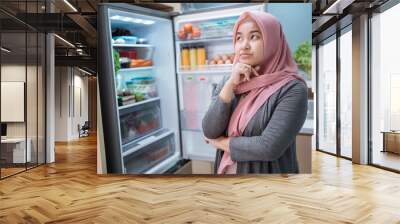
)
(219, 143)
(242, 73)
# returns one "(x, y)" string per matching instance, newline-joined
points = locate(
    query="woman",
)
(257, 111)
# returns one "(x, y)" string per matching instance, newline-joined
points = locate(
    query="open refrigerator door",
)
(204, 55)
(137, 86)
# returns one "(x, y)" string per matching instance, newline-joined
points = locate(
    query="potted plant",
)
(302, 56)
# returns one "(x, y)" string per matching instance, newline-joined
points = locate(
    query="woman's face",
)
(249, 43)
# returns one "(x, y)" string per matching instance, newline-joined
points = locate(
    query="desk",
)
(391, 141)
(13, 150)
(304, 149)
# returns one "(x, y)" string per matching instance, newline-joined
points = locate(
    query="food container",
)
(125, 39)
(128, 54)
(144, 87)
(138, 121)
(129, 86)
(142, 41)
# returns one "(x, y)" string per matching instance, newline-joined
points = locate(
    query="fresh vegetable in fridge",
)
(117, 65)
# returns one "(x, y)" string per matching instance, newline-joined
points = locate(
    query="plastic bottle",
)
(193, 58)
(201, 56)
(185, 59)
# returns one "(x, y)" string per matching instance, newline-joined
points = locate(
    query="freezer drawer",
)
(150, 155)
(138, 121)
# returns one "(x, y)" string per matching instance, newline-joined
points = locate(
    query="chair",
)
(84, 130)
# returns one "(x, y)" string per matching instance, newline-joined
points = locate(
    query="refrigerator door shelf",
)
(150, 155)
(205, 40)
(145, 141)
(212, 19)
(209, 69)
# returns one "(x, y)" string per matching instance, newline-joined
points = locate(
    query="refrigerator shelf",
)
(138, 103)
(124, 70)
(205, 71)
(134, 45)
(144, 141)
(205, 40)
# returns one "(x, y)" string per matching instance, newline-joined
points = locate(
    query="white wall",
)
(79, 117)
(70, 83)
(61, 103)
(33, 126)
(13, 73)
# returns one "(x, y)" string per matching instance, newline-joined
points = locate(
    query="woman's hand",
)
(219, 143)
(240, 73)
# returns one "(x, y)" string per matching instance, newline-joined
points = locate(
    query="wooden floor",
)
(69, 191)
(10, 171)
(387, 159)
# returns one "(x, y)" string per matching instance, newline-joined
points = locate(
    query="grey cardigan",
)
(268, 143)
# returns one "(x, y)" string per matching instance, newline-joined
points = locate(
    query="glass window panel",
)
(346, 94)
(31, 98)
(385, 89)
(41, 99)
(327, 96)
(13, 85)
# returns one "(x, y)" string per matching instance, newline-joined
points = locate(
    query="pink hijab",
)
(277, 70)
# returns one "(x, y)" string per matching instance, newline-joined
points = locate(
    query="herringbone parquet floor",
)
(69, 191)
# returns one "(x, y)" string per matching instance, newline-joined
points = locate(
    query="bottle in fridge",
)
(193, 58)
(201, 56)
(185, 58)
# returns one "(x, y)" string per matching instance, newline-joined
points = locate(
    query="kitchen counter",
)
(304, 149)
(306, 131)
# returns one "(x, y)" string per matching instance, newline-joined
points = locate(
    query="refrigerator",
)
(156, 75)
